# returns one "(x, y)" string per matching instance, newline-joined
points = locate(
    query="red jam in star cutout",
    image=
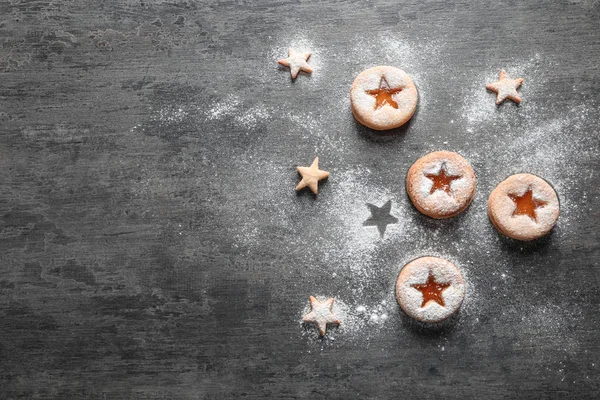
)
(526, 204)
(442, 180)
(383, 94)
(432, 291)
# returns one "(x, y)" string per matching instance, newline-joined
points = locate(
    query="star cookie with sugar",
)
(320, 314)
(311, 176)
(296, 62)
(506, 88)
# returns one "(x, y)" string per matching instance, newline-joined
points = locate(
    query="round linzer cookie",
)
(441, 184)
(523, 207)
(383, 98)
(430, 289)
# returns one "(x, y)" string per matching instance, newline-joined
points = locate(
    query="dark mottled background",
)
(152, 246)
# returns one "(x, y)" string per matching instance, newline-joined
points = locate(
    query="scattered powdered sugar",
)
(545, 149)
(547, 323)
(409, 56)
(251, 117)
(224, 108)
(176, 114)
(324, 238)
(376, 313)
(479, 104)
(302, 44)
(363, 320)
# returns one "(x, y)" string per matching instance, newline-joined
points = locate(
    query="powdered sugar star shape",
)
(296, 62)
(506, 88)
(320, 314)
(380, 217)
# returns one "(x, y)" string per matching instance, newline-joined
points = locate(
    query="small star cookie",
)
(320, 314)
(296, 62)
(311, 176)
(506, 88)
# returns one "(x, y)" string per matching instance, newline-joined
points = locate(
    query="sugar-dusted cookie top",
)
(430, 289)
(441, 184)
(383, 98)
(523, 207)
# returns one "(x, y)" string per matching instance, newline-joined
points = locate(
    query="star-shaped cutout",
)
(383, 94)
(526, 204)
(432, 291)
(311, 176)
(296, 62)
(320, 314)
(505, 88)
(380, 217)
(442, 180)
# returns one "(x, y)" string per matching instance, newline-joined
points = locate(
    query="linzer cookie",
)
(441, 184)
(523, 207)
(430, 289)
(383, 98)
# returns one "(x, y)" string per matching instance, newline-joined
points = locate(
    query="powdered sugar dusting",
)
(322, 243)
(363, 320)
(223, 108)
(403, 53)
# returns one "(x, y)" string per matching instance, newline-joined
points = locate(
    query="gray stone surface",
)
(152, 245)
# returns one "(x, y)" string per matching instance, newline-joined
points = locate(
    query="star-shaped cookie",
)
(311, 176)
(296, 62)
(320, 314)
(506, 88)
(384, 94)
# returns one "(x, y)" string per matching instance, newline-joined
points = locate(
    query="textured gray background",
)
(152, 245)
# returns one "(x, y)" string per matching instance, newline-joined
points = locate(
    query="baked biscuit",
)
(383, 98)
(311, 176)
(296, 62)
(430, 289)
(523, 207)
(441, 184)
(321, 314)
(505, 88)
